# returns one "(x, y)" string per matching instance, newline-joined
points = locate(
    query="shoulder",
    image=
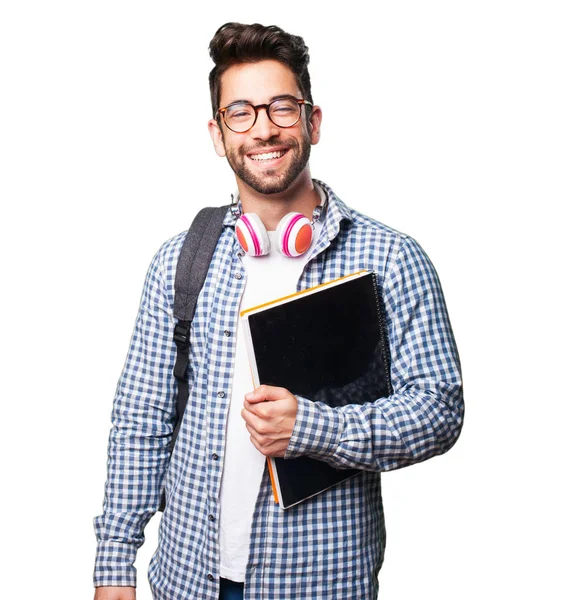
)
(167, 255)
(405, 271)
(205, 223)
(383, 235)
(364, 224)
(355, 223)
(382, 245)
(367, 243)
(166, 259)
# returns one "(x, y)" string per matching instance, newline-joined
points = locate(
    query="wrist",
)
(316, 431)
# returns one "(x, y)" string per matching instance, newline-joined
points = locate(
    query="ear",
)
(216, 136)
(315, 124)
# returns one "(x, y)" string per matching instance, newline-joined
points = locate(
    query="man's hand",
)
(270, 414)
(110, 592)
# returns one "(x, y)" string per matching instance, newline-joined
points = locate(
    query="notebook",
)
(327, 344)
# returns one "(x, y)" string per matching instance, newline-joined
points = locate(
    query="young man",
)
(221, 534)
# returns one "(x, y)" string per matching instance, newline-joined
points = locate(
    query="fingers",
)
(266, 444)
(264, 410)
(270, 423)
(267, 392)
(253, 419)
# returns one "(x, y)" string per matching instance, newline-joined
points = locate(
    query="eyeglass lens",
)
(241, 116)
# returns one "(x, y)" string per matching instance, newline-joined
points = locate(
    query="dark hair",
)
(235, 43)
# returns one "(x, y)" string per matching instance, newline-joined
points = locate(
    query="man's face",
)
(260, 83)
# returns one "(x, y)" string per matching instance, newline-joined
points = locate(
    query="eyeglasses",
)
(283, 112)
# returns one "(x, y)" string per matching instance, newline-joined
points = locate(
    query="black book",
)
(328, 343)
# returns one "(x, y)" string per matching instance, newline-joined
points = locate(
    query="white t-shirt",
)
(267, 278)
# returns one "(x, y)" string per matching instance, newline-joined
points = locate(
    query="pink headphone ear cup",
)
(252, 235)
(294, 234)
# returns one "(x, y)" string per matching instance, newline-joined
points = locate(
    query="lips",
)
(268, 155)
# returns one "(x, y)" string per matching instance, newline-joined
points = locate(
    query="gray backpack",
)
(192, 267)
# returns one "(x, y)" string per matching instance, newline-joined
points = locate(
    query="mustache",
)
(268, 146)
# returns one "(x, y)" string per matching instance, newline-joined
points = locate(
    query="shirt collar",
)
(335, 212)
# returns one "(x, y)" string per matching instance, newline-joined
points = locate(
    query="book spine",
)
(384, 332)
(256, 382)
(271, 471)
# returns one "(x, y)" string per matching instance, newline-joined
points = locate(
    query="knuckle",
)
(262, 429)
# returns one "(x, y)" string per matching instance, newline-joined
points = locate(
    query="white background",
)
(443, 119)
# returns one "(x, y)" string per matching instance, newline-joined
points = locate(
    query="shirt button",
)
(211, 517)
(210, 577)
(215, 456)
(238, 276)
(221, 394)
(227, 332)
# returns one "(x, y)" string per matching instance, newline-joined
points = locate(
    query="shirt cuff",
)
(316, 432)
(114, 564)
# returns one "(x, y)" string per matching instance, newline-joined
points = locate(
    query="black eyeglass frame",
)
(256, 107)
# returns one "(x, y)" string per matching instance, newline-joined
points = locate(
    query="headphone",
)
(294, 232)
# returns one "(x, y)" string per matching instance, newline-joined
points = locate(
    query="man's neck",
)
(301, 197)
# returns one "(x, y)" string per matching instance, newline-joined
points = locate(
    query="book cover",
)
(327, 344)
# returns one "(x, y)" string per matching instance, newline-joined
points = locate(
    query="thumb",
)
(266, 392)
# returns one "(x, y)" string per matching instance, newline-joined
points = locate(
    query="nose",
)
(264, 129)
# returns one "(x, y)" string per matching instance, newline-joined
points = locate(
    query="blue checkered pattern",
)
(331, 546)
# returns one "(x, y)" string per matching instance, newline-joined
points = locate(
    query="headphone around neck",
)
(294, 233)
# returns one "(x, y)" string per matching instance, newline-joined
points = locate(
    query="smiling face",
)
(267, 158)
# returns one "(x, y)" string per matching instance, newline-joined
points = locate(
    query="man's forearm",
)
(115, 593)
(424, 415)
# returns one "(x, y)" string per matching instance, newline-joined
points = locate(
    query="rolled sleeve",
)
(317, 430)
(114, 564)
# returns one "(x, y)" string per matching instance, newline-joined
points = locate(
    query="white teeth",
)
(267, 155)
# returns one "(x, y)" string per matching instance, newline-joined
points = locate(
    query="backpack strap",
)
(192, 267)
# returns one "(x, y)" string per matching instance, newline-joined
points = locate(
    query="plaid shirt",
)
(331, 546)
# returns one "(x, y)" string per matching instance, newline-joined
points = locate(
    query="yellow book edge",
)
(256, 383)
(268, 461)
(302, 292)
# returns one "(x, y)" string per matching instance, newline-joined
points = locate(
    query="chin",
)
(269, 185)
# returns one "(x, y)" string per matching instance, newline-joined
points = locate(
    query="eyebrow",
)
(272, 99)
(282, 96)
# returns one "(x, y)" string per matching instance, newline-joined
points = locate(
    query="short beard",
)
(268, 184)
